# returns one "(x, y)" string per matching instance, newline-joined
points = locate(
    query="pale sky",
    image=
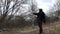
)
(45, 4)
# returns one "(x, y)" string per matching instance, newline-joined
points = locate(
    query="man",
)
(40, 19)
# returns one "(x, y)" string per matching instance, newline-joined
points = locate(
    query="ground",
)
(52, 28)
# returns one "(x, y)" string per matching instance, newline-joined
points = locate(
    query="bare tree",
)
(9, 9)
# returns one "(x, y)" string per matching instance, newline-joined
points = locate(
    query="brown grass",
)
(52, 28)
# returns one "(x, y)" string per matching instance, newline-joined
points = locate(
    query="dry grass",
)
(52, 28)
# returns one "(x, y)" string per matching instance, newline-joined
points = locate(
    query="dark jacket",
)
(40, 15)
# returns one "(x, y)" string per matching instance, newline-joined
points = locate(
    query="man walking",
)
(40, 19)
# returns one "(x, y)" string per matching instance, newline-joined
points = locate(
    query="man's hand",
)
(35, 13)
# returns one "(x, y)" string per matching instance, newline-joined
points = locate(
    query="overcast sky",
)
(45, 4)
